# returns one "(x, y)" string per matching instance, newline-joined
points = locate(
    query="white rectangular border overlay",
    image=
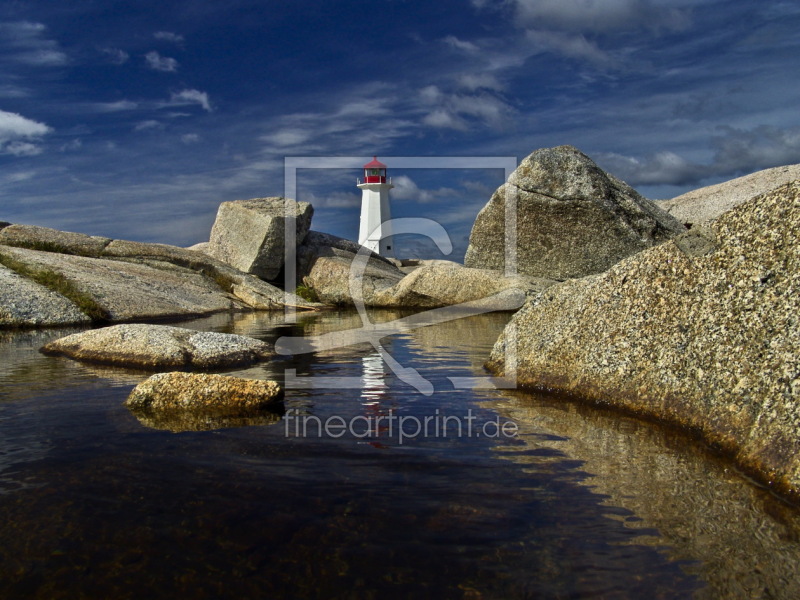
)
(507, 163)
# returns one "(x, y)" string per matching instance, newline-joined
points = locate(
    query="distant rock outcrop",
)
(159, 346)
(250, 234)
(572, 219)
(323, 264)
(56, 278)
(701, 205)
(702, 331)
(446, 284)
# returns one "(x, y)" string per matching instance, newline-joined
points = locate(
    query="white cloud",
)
(14, 127)
(190, 138)
(118, 106)
(462, 45)
(116, 56)
(13, 91)
(442, 119)
(736, 152)
(596, 15)
(287, 138)
(157, 62)
(186, 97)
(664, 167)
(25, 42)
(571, 45)
(19, 148)
(475, 81)
(72, 145)
(148, 125)
(331, 200)
(460, 111)
(169, 36)
(406, 189)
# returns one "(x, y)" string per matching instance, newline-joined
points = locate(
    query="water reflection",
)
(744, 542)
(373, 379)
(582, 504)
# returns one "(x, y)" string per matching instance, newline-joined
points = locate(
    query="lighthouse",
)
(374, 230)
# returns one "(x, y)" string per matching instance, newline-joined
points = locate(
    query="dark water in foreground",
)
(95, 503)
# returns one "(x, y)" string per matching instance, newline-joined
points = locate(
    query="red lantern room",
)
(375, 171)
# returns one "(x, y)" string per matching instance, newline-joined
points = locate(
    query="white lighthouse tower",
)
(374, 230)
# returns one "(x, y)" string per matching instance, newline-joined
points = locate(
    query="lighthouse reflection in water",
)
(373, 390)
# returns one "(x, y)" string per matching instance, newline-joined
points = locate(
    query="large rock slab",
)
(705, 336)
(324, 264)
(701, 205)
(52, 240)
(330, 277)
(203, 393)
(446, 284)
(127, 290)
(250, 234)
(24, 303)
(159, 346)
(248, 289)
(572, 219)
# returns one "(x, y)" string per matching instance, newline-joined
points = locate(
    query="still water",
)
(332, 498)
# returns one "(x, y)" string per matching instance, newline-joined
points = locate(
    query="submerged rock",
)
(705, 335)
(200, 393)
(572, 219)
(186, 420)
(250, 234)
(159, 346)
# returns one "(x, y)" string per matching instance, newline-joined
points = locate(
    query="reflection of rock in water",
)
(747, 541)
(184, 421)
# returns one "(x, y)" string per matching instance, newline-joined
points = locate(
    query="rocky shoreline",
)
(683, 311)
(705, 336)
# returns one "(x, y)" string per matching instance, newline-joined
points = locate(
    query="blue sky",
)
(135, 120)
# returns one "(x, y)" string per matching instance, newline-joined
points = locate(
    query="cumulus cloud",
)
(661, 168)
(18, 134)
(406, 189)
(761, 147)
(25, 43)
(185, 97)
(736, 152)
(157, 62)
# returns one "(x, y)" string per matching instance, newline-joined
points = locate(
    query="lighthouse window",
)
(375, 172)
